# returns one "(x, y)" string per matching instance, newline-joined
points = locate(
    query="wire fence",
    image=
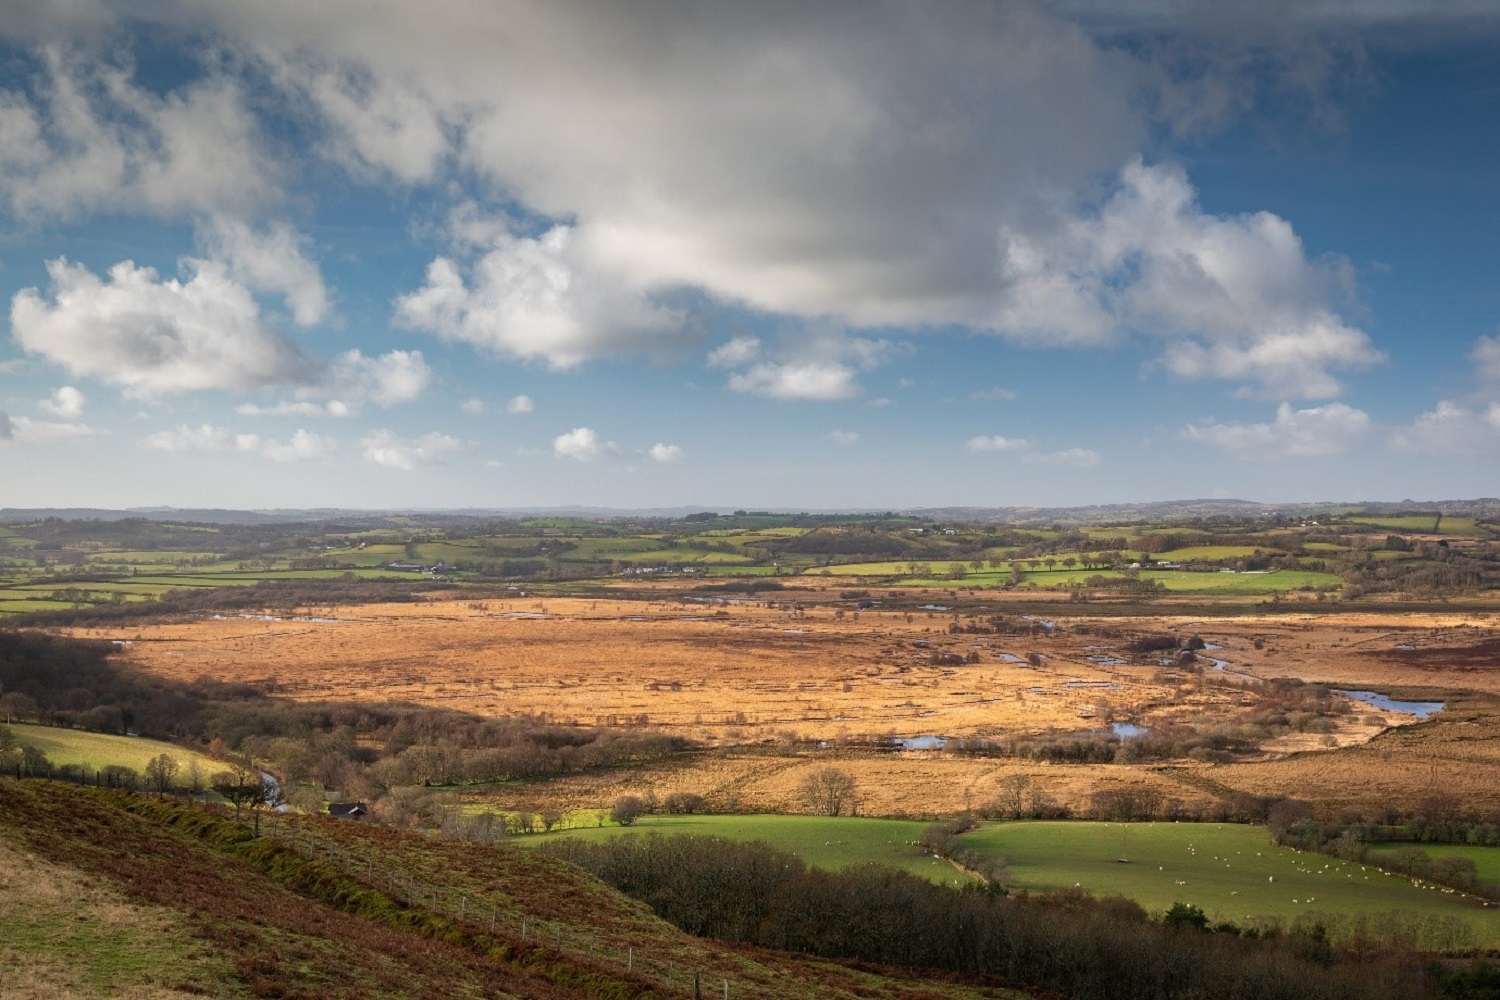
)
(677, 978)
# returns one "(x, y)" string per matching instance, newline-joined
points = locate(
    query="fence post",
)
(494, 911)
(697, 985)
(630, 959)
(726, 989)
(463, 907)
(523, 930)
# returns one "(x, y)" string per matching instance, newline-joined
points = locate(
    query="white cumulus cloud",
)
(842, 437)
(582, 444)
(473, 407)
(537, 299)
(520, 404)
(1319, 431)
(1451, 427)
(150, 335)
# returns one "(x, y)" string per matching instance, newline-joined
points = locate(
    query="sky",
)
(833, 255)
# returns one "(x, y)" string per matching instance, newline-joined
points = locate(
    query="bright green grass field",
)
(1224, 868)
(96, 750)
(1486, 859)
(831, 843)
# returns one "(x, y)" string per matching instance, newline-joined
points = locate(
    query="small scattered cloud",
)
(24, 430)
(1486, 358)
(1318, 431)
(844, 438)
(992, 394)
(270, 260)
(520, 404)
(664, 453)
(302, 446)
(305, 408)
(996, 442)
(737, 353)
(384, 447)
(392, 378)
(1074, 458)
(582, 444)
(473, 407)
(182, 438)
(823, 365)
(1077, 458)
(65, 401)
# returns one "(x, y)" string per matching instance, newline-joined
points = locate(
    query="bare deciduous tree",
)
(829, 791)
(160, 770)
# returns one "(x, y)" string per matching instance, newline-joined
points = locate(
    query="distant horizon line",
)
(1205, 505)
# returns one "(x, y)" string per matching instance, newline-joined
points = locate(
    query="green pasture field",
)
(158, 557)
(587, 549)
(1486, 859)
(1208, 552)
(752, 534)
(1176, 581)
(96, 750)
(684, 554)
(831, 843)
(26, 606)
(1233, 872)
(745, 570)
(1422, 524)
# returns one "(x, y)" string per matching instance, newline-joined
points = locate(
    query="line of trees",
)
(1070, 944)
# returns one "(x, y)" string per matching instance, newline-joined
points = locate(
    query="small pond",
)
(921, 742)
(1128, 730)
(1421, 709)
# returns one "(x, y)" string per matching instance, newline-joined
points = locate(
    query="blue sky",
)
(817, 256)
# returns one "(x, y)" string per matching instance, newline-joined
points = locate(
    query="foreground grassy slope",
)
(260, 917)
(65, 935)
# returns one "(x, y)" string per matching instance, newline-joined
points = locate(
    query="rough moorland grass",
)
(831, 843)
(96, 750)
(1234, 872)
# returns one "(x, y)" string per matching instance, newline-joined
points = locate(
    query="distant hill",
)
(1165, 510)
